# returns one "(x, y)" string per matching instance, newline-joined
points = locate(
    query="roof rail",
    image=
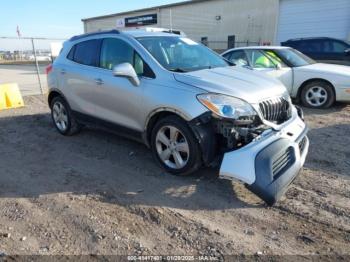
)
(113, 31)
(163, 30)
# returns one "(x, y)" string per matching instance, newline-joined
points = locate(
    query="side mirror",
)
(278, 66)
(126, 70)
(347, 51)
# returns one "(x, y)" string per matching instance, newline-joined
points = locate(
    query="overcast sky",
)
(58, 18)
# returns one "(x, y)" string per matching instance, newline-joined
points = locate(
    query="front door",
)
(117, 100)
(268, 62)
(335, 52)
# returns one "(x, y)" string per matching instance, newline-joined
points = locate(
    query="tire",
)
(172, 138)
(317, 94)
(71, 126)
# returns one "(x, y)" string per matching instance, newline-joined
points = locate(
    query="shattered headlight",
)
(227, 106)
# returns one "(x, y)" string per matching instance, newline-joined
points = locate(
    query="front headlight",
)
(226, 106)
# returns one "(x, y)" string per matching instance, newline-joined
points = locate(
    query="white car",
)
(40, 58)
(317, 85)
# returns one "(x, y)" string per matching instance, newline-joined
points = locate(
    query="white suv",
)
(185, 102)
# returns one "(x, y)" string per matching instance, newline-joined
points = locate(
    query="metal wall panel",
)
(313, 18)
(247, 20)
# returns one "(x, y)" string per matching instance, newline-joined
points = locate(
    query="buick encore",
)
(189, 105)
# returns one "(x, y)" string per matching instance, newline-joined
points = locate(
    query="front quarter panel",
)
(175, 97)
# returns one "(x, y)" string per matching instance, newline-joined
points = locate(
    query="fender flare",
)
(50, 95)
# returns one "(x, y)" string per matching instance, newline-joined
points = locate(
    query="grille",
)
(276, 110)
(283, 162)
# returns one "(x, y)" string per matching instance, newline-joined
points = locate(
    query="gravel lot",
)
(26, 77)
(97, 193)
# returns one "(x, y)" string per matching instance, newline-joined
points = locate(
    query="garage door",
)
(309, 18)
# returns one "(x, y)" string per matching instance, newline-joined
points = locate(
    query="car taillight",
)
(48, 69)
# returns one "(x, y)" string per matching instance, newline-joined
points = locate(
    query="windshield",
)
(294, 57)
(180, 54)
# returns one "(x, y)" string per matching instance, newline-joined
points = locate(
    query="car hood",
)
(327, 69)
(242, 83)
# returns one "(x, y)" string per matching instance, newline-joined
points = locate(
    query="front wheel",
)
(175, 147)
(317, 94)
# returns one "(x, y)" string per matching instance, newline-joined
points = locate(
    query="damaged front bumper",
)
(270, 163)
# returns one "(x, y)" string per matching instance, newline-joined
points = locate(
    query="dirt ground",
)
(97, 193)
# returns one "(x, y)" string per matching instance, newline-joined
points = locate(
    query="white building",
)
(223, 22)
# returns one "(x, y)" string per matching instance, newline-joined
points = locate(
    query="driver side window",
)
(339, 47)
(115, 51)
(259, 60)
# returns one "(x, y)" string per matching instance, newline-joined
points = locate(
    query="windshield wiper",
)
(178, 70)
(230, 63)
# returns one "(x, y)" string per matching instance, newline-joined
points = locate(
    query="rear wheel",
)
(318, 94)
(62, 117)
(175, 147)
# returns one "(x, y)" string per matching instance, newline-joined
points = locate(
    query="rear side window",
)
(307, 46)
(294, 44)
(227, 56)
(86, 53)
(239, 58)
(312, 46)
(70, 56)
(331, 46)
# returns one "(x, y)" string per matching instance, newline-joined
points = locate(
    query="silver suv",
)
(185, 102)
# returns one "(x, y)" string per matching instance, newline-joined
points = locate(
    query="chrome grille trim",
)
(276, 110)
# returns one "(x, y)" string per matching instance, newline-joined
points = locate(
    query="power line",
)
(30, 38)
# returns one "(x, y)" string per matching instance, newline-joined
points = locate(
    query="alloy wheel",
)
(316, 96)
(172, 147)
(60, 116)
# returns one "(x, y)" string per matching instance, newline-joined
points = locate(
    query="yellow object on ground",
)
(10, 96)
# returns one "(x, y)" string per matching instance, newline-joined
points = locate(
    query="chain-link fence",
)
(24, 60)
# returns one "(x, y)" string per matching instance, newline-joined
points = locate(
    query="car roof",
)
(311, 38)
(258, 48)
(142, 33)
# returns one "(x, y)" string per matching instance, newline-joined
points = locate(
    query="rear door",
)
(312, 48)
(79, 75)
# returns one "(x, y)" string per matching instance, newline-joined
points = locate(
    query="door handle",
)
(99, 81)
(63, 71)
